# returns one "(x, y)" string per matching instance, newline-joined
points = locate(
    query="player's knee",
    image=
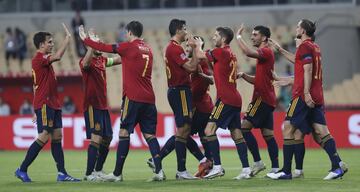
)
(148, 137)
(298, 135)
(183, 132)
(44, 136)
(267, 134)
(236, 134)
(246, 125)
(106, 141)
(56, 134)
(96, 138)
(321, 130)
(316, 137)
(123, 133)
(287, 131)
(209, 132)
(210, 129)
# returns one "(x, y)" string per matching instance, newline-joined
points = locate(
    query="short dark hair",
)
(227, 33)
(40, 37)
(202, 39)
(265, 31)
(135, 27)
(308, 26)
(176, 24)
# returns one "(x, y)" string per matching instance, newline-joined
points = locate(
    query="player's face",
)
(182, 33)
(217, 39)
(256, 38)
(299, 30)
(48, 45)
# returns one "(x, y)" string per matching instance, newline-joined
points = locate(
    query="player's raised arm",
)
(243, 46)
(100, 46)
(289, 56)
(60, 52)
(248, 78)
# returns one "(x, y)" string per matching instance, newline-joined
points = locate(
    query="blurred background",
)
(338, 34)
(338, 31)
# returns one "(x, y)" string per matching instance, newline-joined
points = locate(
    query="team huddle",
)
(190, 72)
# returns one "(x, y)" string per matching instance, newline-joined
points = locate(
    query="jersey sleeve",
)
(108, 48)
(45, 60)
(121, 48)
(179, 56)
(213, 55)
(305, 53)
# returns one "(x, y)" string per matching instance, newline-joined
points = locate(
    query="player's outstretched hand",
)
(82, 33)
(68, 34)
(198, 42)
(241, 29)
(93, 36)
(281, 83)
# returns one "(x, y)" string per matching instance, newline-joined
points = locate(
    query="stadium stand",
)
(340, 90)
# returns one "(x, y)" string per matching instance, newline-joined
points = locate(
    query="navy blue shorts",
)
(260, 114)
(133, 112)
(199, 123)
(48, 119)
(97, 122)
(226, 116)
(180, 102)
(302, 117)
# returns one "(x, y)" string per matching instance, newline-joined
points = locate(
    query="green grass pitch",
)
(136, 172)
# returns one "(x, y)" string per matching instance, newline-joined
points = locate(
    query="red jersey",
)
(45, 83)
(199, 87)
(175, 58)
(225, 71)
(308, 52)
(94, 78)
(137, 61)
(263, 86)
